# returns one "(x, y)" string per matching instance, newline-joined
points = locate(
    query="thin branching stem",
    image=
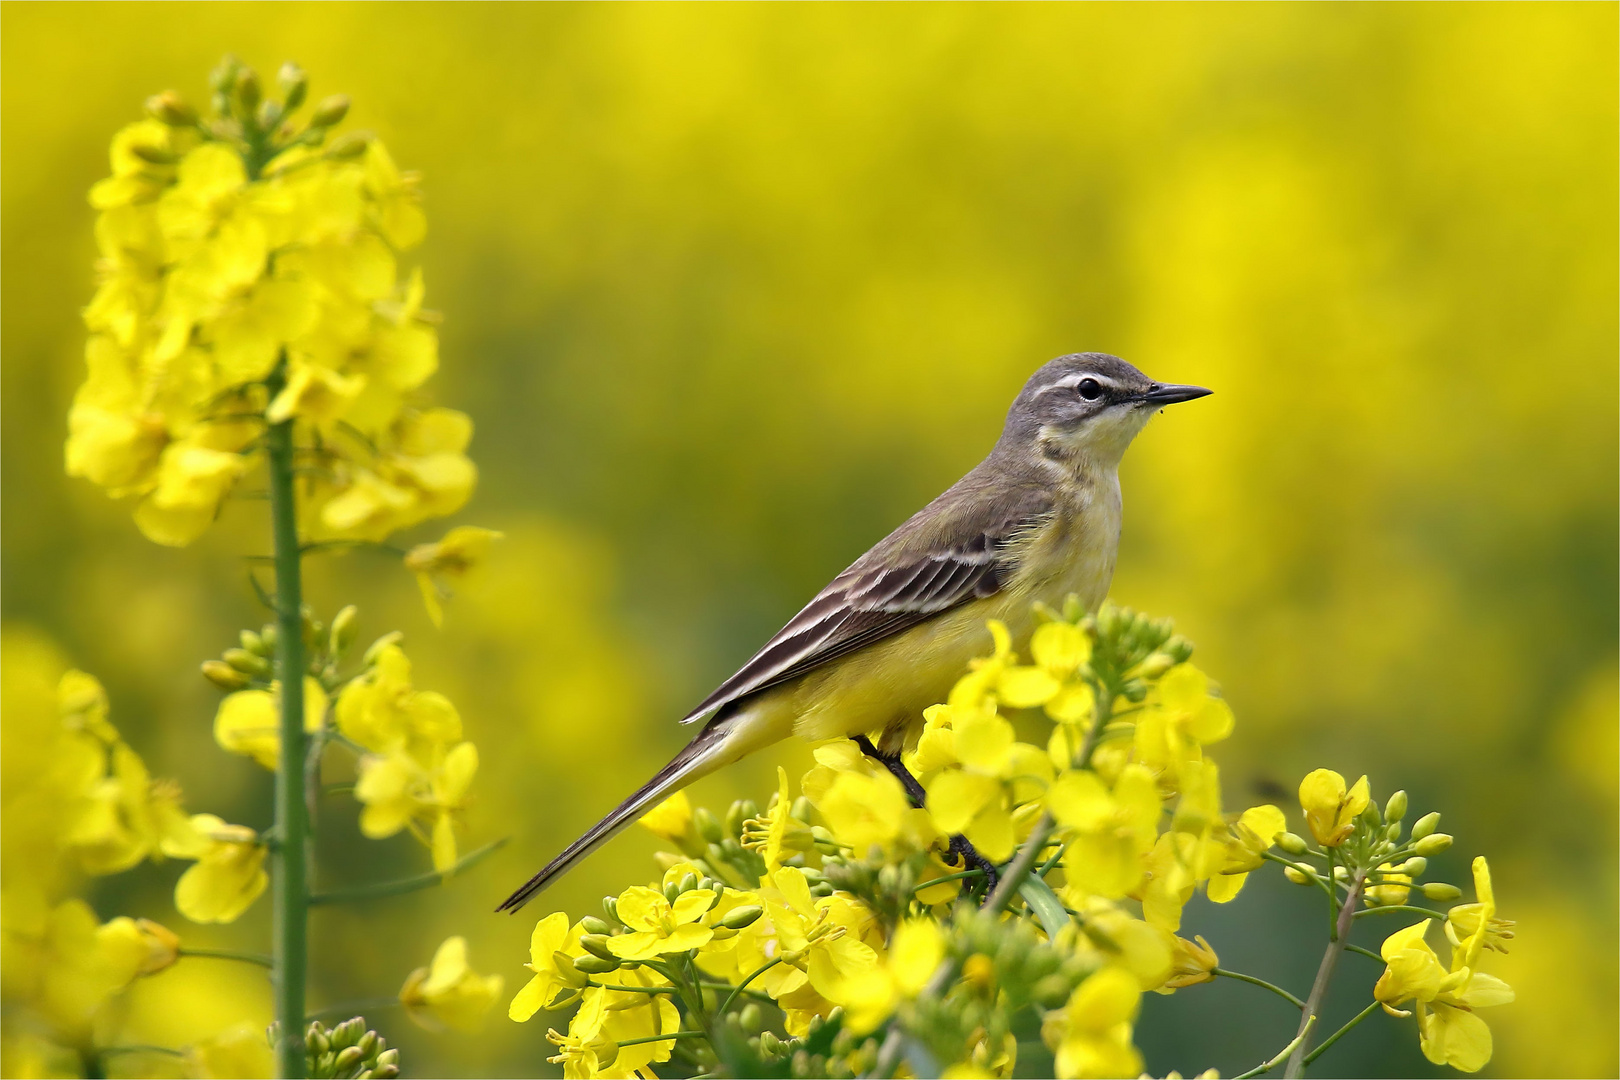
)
(229, 954)
(1279, 991)
(1341, 1033)
(410, 884)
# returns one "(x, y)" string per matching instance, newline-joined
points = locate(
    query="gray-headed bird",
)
(1037, 519)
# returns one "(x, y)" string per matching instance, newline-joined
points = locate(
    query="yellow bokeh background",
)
(730, 290)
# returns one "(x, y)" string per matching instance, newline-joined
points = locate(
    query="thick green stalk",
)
(289, 857)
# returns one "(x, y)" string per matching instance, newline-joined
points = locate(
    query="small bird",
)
(1037, 519)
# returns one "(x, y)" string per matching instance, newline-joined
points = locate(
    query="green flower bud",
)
(597, 946)
(1395, 809)
(222, 78)
(769, 1043)
(253, 643)
(1297, 876)
(388, 1059)
(348, 146)
(171, 109)
(596, 965)
(1414, 866)
(672, 890)
(1439, 890)
(1155, 665)
(687, 883)
(247, 91)
(610, 907)
(1292, 843)
(153, 155)
(568, 971)
(739, 917)
(751, 1018)
(269, 635)
(1392, 831)
(592, 925)
(369, 1042)
(1433, 844)
(708, 826)
(802, 808)
(223, 675)
(1051, 991)
(1135, 690)
(1341, 873)
(347, 1059)
(1178, 649)
(1425, 825)
(1074, 611)
(247, 662)
(268, 115)
(330, 111)
(294, 84)
(344, 626)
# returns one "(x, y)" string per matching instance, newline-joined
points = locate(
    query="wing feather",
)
(906, 579)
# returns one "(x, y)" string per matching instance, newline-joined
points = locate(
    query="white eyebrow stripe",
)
(1069, 382)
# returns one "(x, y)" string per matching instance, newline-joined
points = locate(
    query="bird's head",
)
(1088, 406)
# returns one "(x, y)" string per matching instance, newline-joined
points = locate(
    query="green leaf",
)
(1045, 904)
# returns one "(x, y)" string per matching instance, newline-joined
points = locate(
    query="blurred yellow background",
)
(731, 290)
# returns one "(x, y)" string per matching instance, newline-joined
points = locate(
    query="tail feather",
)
(701, 756)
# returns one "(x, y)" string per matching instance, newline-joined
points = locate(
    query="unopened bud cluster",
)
(1368, 845)
(1131, 649)
(251, 663)
(349, 1051)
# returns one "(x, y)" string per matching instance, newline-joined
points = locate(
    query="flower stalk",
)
(289, 855)
(1324, 975)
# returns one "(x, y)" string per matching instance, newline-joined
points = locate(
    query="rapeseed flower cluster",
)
(843, 933)
(250, 273)
(837, 908)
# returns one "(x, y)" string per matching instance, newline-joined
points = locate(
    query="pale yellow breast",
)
(886, 687)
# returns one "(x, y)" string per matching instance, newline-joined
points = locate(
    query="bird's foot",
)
(962, 853)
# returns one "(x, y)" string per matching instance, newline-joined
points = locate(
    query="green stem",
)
(637, 989)
(1425, 912)
(1368, 953)
(663, 1038)
(406, 885)
(1299, 1041)
(1341, 1033)
(724, 1005)
(948, 877)
(290, 854)
(1338, 938)
(140, 1048)
(230, 954)
(1279, 991)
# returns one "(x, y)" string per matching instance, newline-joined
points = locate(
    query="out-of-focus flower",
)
(1091, 1036)
(1114, 830)
(449, 992)
(670, 819)
(400, 791)
(870, 995)
(863, 809)
(238, 1051)
(439, 565)
(1330, 808)
(1194, 962)
(1252, 835)
(382, 711)
(229, 873)
(1180, 718)
(249, 721)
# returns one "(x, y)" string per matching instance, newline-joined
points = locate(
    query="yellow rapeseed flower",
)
(249, 721)
(449, 993)
(1474, 927)
(1450, 1032)
(1180, 717)
(552, 946)
(382, 711)
(1252, 835)
(1331, 809)
(229, 872)
(1113, 830)
(658, 926)
(401, 790)
(1194, 962)
(671, 819)
(437, 565)
(1091, 1036)
(870, 995)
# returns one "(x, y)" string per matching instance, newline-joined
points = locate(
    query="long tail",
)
(716, 745)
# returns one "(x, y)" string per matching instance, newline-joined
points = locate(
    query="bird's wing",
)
(906, 579)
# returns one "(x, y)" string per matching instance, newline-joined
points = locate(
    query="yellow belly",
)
(884, 688)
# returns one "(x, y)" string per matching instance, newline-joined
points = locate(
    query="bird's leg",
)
(962, 852)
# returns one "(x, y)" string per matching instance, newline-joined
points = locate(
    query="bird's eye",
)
(1090, 389)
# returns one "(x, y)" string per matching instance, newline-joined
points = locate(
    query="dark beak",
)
(1170, 393)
